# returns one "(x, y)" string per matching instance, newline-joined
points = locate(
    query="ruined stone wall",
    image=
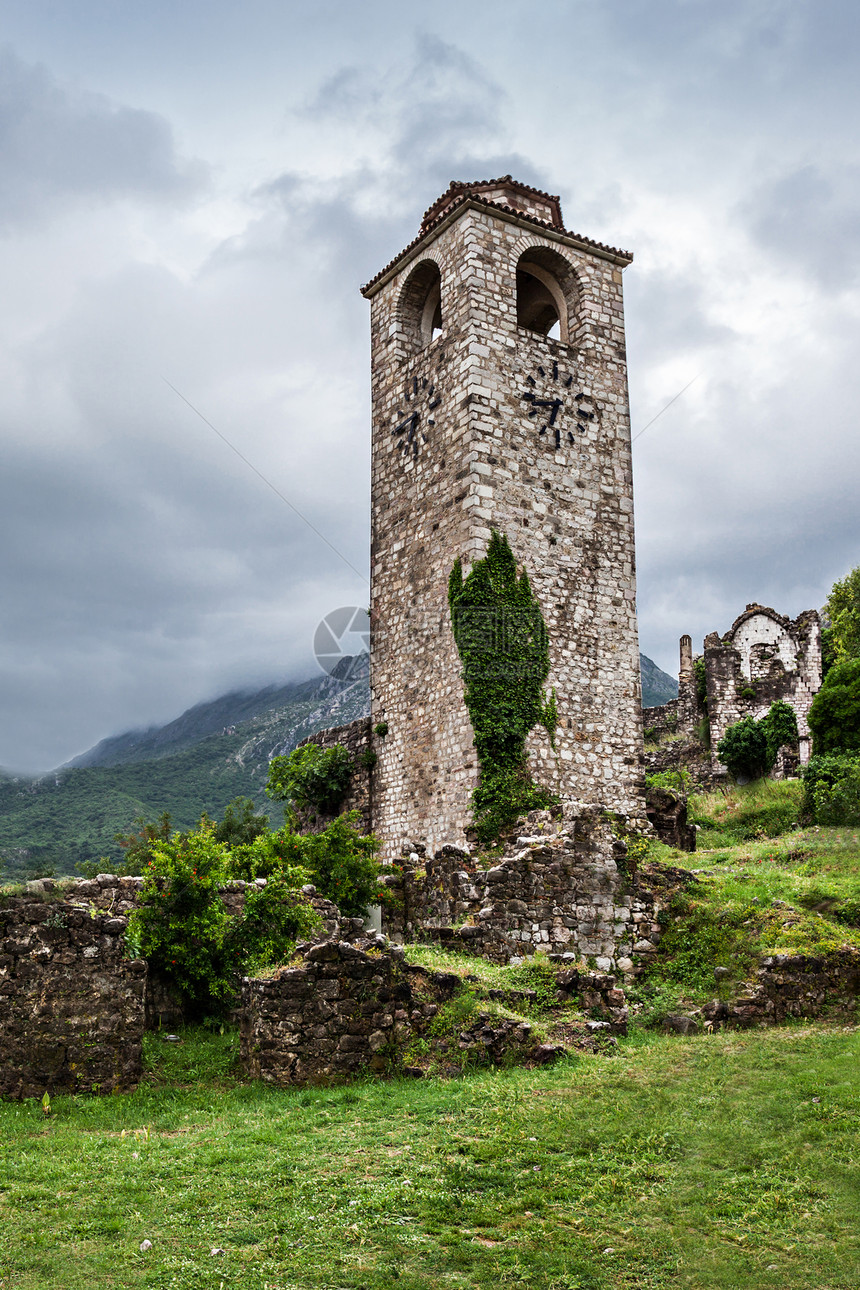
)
(113, 898)
(763, 658)
(71, 1004)
(346, 1009)
(337, 1013)
(358, 739)
(794, 985)
(558, 892)
(567, 511)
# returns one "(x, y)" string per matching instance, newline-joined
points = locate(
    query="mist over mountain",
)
(209, 755)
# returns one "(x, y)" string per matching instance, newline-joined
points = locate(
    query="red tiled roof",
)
(476, 186)
(467, 194)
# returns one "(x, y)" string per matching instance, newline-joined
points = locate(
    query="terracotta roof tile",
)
(468, 195)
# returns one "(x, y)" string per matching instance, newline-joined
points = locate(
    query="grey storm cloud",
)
(59, 144)
(147, 567)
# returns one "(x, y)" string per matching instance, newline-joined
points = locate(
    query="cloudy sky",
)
(191, 193)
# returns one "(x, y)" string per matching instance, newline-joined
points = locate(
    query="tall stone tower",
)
(500, 402)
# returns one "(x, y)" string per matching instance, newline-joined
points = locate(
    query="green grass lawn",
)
(729, 1160)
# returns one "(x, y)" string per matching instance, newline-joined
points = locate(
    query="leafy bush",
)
(311, 778)
(342, 864)
(182, 928)
(743, 749)
(834, 716)
(749, 748)
(780, 728)
(339, 861)
(275, 917)
(676, 781)
(831, 789)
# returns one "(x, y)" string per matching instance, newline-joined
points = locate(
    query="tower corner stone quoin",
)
(499, 401)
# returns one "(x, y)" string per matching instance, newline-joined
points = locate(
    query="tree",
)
(749, 748)
(240, 823)
(834, 717)
(743, 749)
(840, 639)
(311, 778)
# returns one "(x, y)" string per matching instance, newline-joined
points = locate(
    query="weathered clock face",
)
(561, 408)
(415, 418)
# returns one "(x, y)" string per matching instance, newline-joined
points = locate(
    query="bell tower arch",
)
(499, 392)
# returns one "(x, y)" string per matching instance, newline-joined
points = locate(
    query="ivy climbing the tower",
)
(503, 643)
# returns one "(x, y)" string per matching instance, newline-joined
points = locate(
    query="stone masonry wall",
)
(344, 1009)
(72, 1010)
(556, 891)
(567, 511)
(770, 657)
(112, 898)
(358, 738)
(794, 985)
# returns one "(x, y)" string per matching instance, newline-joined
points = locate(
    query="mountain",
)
(657, 686)
(212, 753)
(200, 762)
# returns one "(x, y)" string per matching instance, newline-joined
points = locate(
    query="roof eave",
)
(622, 258)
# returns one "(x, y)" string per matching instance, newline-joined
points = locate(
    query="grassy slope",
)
(726, 1161)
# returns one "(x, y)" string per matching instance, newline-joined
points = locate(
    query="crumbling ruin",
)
(762, 658)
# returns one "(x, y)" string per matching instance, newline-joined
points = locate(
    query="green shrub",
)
(676, 781)
(780, 729)
(339, 860)
(749, 748)
(834, 716)
(743, 749)
(831, 789)
(182, 928)
(275, 917)
(180, 925)
(311, 778)
(342, 864)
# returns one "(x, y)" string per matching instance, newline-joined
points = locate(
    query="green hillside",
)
(210, 754)
(55, 821)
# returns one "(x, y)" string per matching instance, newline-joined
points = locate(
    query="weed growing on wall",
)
(504, 647)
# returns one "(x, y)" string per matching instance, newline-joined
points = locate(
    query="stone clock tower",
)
(500, 402)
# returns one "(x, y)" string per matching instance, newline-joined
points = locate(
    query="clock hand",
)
(410, 421)
(555, 404)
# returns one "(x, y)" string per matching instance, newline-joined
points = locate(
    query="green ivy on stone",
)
(504, 646)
